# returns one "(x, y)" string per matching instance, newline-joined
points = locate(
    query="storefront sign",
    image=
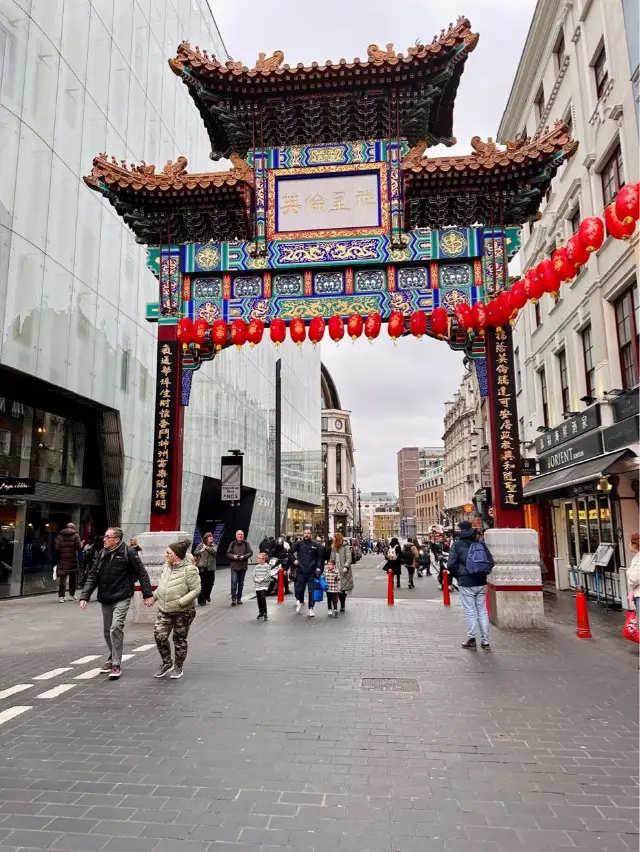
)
(626, 405)
(573, 428)
(231, 479)
(16, 486)
(164, 427)
(528, 467)
(622, 434)
(587, 447)
(508, 489)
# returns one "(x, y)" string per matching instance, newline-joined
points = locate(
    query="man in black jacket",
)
(472, 585)
(239, 553)
(305, 557)
(114, 573)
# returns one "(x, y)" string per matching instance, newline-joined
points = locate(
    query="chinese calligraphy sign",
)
(508, 489)
(165, 413)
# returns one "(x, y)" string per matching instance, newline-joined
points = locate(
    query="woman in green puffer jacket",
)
(176, 594)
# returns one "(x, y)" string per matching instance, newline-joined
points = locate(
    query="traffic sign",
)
(231, 479)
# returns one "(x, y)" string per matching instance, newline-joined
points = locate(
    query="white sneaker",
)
(298, 607)
(311, 614)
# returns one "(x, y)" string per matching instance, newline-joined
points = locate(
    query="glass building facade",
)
(79, 77)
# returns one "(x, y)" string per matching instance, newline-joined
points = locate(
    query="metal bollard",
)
(446, 594)
(281, 585)
(390, 599)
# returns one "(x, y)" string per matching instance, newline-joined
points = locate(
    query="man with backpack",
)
(470, 562)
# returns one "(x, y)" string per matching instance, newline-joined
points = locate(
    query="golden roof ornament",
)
(415, 155)
(271, 63)
(375, 54)
(485, 149)
(176, 169)
(241, 169)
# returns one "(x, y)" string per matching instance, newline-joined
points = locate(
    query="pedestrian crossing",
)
(9, 713)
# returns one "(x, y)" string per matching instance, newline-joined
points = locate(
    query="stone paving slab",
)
(269, 743)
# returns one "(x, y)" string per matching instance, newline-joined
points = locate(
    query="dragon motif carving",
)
(241, 169)
(270, 63)
(485, 149)
(176, 169)
(414, 156)
(375, 54)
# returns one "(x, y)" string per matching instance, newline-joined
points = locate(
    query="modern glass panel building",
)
(78, 77)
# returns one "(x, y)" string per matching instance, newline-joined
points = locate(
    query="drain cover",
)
(390, 684)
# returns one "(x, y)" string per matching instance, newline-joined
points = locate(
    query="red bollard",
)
(582, 616)
(281, 585)
(390, 599)
(446, 594)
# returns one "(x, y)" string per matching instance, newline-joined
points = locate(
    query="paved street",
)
(276, 740)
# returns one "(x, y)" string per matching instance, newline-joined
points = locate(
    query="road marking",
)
(88, 675)
(143, 648)
(82, 660)
(12, 712)
(57, 690)
(127, 656)
(52, 673)
(19, 687)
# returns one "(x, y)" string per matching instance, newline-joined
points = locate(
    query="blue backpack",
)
(478, 559)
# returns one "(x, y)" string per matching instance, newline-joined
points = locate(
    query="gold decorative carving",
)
(414, 156)
(375, 54)
(326, 155)
(241, 169)
(485, 149)
(270, 63)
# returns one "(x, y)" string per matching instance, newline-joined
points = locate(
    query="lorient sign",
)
(587, 447)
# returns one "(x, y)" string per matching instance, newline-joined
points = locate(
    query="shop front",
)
(50, 475)
(587, 487)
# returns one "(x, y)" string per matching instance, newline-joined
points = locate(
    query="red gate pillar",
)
(168, 435)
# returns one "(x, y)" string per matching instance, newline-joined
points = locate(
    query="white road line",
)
(12, 712)
(19, 687)
(88, 674)
(82, 660)
(52, 673)
(57, 690)
(127, 656)
(143, 648)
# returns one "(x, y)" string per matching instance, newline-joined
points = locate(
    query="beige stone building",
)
(386, 525)
(461, 468)
(430, 499)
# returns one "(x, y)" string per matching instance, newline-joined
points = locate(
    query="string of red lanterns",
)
(620, 218)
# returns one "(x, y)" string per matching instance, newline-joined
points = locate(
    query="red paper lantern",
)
(185, 331)
(628, 203)
(219, 332)
(439, 322)
(418, 323)
(548, 275)
(576, 254)
(518, 297)
(255, 332)
(278, 331)
(297, 331)
(336, 328)
(494, 315)
(565, 269)
(479, 317)
(239, 332)
(200, 328)
(533, 286)
(591, 233)
(395, 325)
(355, 325)
(615, 227)
(504, 306)
(372, 326)
(316, 330)
(462, 313)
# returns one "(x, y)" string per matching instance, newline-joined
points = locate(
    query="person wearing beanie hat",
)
(176, 594)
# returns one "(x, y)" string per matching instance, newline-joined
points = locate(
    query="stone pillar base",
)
(515, 584)
(154, 545)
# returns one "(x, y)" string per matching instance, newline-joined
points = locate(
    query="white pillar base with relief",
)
(154, 545)
(515, 584)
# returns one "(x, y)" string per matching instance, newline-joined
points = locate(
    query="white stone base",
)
(515, 584)
(154, 545)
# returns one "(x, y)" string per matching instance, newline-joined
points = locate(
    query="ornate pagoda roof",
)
(490, 185)
(278, 104)
(174, 205)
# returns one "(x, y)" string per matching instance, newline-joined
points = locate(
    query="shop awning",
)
(574, 475)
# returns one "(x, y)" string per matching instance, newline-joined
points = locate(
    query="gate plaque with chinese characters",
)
(508, 488)
(163, 440)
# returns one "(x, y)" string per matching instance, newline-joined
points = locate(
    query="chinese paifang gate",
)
(332, 209)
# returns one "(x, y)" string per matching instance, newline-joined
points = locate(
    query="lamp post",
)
(359, 514)
(325, 488)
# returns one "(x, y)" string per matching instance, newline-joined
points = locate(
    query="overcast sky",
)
(396, 393)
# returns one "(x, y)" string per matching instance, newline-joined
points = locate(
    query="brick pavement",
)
(269, 743)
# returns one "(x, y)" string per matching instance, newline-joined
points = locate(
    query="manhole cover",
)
(390, 684)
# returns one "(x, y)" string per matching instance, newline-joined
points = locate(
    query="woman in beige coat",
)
(176, 594)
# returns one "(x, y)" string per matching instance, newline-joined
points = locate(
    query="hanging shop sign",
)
(231, 479)
(508, 489)
(626, 405)
(622, 434)
(587, 447)
(573, 428)
(16, 486)
(164, 427)
(528, 467)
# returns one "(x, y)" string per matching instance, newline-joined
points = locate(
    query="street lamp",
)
(359, 513)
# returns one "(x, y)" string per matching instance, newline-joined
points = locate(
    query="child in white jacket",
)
(262, 579)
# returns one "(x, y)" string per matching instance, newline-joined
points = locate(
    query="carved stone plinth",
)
(154, 545)
(515, 584)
